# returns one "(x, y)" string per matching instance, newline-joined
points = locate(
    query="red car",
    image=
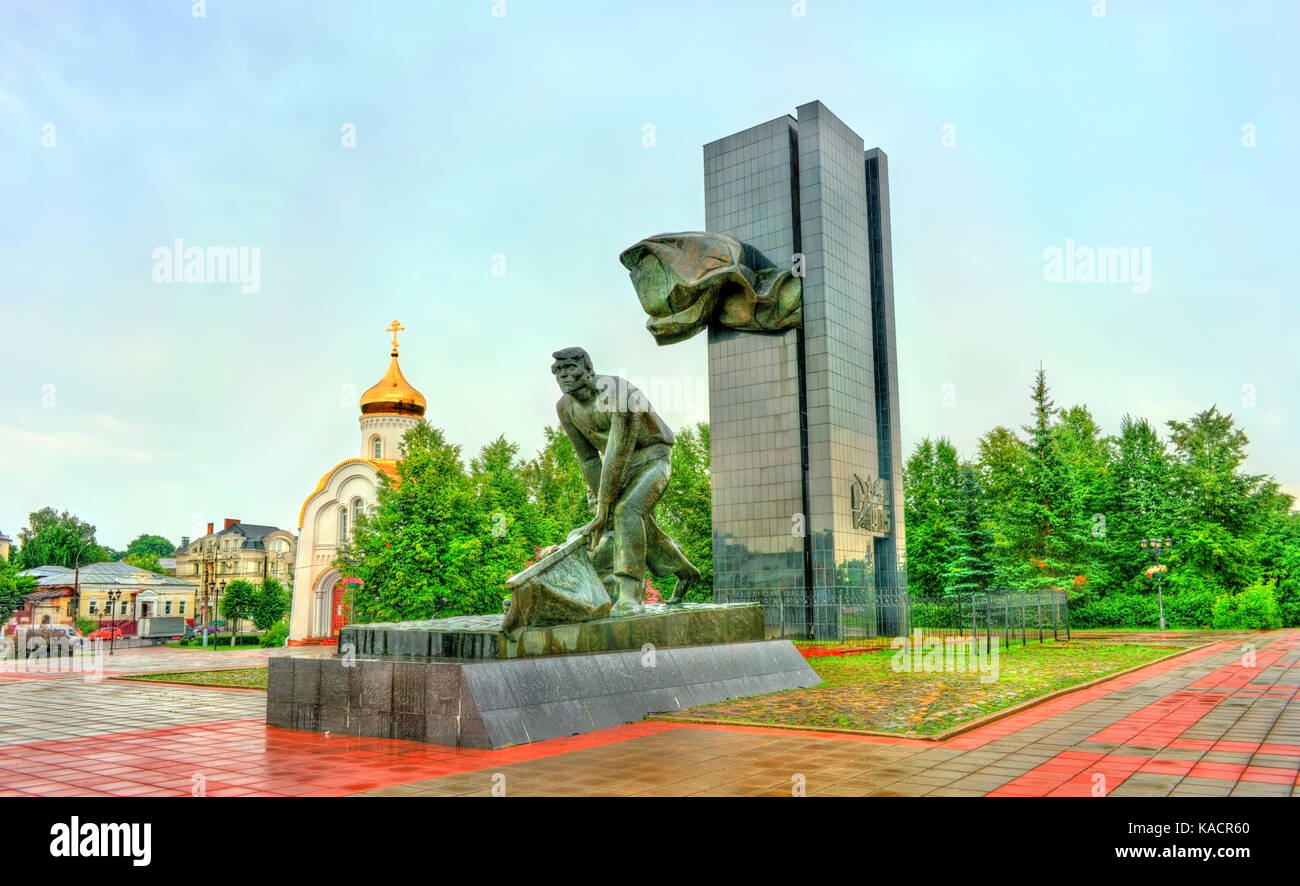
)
(106, 634)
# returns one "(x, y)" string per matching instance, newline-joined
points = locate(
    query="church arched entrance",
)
(327, 604)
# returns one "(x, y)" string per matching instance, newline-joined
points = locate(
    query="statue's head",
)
(572, 370)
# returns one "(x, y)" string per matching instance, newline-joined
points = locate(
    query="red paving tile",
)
(1162, 721)
(1238, 676)
(244, 757)
(982, 735)
(247, 757)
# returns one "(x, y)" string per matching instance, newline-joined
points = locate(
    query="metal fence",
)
(878, 617)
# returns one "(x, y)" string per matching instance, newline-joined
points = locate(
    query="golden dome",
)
(393, 395)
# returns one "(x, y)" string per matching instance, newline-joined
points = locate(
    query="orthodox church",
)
(346, 491)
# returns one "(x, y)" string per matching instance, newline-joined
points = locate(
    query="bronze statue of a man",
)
(623, 447)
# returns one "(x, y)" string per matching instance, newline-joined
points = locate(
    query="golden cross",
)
(394, 329)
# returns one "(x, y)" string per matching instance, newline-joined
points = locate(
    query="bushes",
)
(1189, 609)
(1185, 610)
(1115, 611)
(224, 640)
(1288, 601)
(1254, 609)
(275, 635)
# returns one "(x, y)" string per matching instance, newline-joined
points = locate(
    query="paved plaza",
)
(1210, 722)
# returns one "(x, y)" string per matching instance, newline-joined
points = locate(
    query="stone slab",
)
(496, 704)
(479, 637)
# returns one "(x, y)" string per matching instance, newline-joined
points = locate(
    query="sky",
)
(500, 162)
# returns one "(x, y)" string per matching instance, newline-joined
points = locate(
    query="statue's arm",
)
(618, 452)
(588, 456)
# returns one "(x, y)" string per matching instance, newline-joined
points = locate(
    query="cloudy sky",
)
(519, 142)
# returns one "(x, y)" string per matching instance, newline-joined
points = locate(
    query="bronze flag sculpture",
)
(688, 280)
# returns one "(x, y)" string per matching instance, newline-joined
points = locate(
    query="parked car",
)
(106, 634)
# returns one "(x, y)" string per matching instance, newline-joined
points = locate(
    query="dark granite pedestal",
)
(497, 703)
(480, 636)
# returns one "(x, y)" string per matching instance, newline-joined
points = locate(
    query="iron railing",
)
(876, 617)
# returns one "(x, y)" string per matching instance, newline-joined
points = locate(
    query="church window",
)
(356, 511)
(343, 524)
(377, 445)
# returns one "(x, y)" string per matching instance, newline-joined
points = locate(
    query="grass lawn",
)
(252, 678)
(862, 691)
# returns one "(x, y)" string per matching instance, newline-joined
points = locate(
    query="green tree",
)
(970, 554)
(417, 555)
(1045, 528)
(554, 481)
(1138, 502)
(237, 603)
(147, 562)
(152, 545)
(51, 538)
(1002, 460)
(931, 480)
(686, 510)
(270, 604)
(510, 526)
(12, 588)
(1279, 556)
(1222, 511)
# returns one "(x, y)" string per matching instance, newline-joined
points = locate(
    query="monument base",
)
(481, 637)
(498, 703)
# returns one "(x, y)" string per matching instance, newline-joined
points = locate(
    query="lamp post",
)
(76, 581)
(113, 596)
(207, 598)
(216, 604)
(1153, 547)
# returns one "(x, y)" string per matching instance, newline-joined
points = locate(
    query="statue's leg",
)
(638, 500)
(664, 557)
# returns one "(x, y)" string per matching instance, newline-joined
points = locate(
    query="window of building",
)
(94, 606)
(182, 608)
(167, 606)
(343, 524)
(357, 507)
(124, 605)
(377, 445)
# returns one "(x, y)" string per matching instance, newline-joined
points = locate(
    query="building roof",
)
(118, 573)
(382, 465)
(393, 394)
(253, 535)
(47, 594)
(42, 572)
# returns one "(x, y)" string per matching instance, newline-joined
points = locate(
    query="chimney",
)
(209, 529)
(185, 542)
(230, 521)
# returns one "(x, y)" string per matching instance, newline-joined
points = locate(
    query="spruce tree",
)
(970, 555)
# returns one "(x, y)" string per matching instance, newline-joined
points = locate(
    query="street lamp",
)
(113, 596)
(76, 580)
(216, 603)
(1153, 547)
